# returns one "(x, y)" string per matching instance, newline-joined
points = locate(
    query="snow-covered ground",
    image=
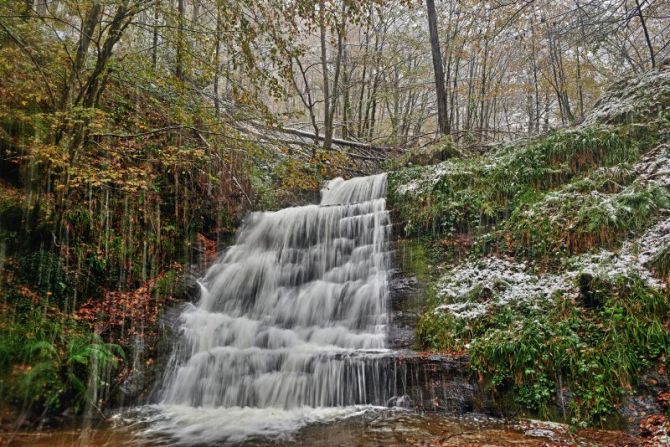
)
(638, 95)
(507, 282)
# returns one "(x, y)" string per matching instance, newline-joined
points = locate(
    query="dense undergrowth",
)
(106, 208)
(50, 363)
(554, 273)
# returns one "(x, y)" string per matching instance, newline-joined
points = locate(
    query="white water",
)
(291, 325)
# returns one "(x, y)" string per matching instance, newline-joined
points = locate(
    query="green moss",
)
(414, 258)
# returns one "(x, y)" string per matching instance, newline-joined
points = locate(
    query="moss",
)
(413, 258)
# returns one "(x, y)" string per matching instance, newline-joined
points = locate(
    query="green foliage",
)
(50, 363)
(661, 263)
(570, 221)
(445, 149)
(471, 195)
(440, 331)
(170, 284)
(565, 193)
(597, 354)
(44, 271)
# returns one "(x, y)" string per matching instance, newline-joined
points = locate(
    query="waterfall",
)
(293, 315)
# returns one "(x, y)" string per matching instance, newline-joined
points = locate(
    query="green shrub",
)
(440, 331)
(44, 271)
(570, 222)
(661, 263)
(50, 363)
(598, 353)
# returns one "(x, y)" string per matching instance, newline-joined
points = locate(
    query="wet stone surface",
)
(406, 304)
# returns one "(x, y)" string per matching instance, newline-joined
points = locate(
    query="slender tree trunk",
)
(652, 56)
(470, 113)
(307, 98)
(154, 47)
(537, 93)
(530, 109)
(438, 69)
(88, 29)
(361, 95)
(580, 89)
(217, 62)
(328, 131)
(482, 92)
(546, 111)
(335, 87)
(346, 98)
(179, 63)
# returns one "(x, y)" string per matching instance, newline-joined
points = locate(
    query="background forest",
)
(135, 134)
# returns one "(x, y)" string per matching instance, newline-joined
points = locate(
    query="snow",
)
(506, 282)
(510, 283)
(429, 176)
(655, 166)
(638, 95)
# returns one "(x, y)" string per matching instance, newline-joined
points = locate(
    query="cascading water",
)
(291, 324)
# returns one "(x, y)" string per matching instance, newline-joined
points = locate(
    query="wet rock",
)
(648, 400)
(406, 302)
(436, 382)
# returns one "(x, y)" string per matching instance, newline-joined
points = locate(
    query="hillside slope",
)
(550, 259)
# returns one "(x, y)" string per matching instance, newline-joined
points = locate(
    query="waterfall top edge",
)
(354, 190)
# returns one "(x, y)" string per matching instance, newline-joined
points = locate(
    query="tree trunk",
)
(88, 28)
(154, 47)
(217, 62)
(652, 56)
(179, 63)
(328, 130)
(580, 88)
(438, 68)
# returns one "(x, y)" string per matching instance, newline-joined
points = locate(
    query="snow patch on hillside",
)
(655, 166)
(477, 287)
(474, 287)
(637, 96)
